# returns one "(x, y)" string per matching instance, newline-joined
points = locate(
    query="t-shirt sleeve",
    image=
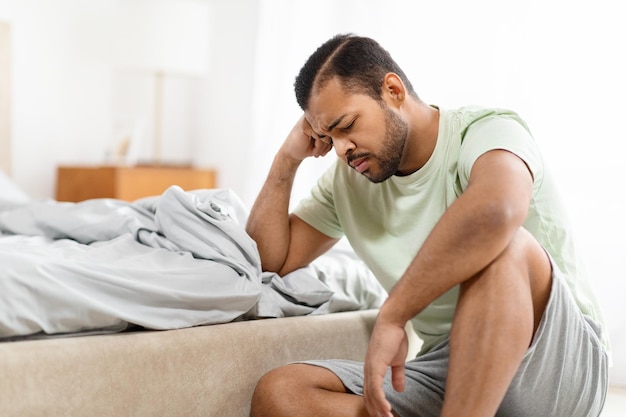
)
(318, 209)
(499, 132)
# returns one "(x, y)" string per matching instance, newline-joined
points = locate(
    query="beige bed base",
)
(201, 371)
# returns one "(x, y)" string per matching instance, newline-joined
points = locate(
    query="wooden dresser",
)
(78, 183)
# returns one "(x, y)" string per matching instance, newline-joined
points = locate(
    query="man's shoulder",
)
(474, 113)
(463, 118)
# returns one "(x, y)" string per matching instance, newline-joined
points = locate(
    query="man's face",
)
(367, 134)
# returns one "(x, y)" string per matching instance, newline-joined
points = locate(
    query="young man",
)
(455, 214)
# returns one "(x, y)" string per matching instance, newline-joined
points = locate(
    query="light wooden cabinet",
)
(78, 183)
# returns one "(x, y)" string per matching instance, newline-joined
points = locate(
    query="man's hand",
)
(388, 347)
(302, 142)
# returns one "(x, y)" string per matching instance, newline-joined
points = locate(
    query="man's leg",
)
(497, 315)
(498, 311)
(301, 390)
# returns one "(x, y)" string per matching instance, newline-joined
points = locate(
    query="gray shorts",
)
(564, 371)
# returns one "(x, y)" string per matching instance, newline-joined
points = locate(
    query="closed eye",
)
(348, 127)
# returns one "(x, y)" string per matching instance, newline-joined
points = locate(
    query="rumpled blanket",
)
(177, 260)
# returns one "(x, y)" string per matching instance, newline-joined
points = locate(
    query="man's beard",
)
(389, 159)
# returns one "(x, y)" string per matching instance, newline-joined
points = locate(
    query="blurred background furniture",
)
(78, 183)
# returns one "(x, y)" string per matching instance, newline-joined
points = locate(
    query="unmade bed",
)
(173, 261)
(159, 306)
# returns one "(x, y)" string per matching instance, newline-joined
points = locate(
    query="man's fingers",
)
(376, 403)
(398, 378)
(373, 393)
(319, 147)
(387, 349)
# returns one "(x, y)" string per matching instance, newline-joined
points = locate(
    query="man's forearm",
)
(474, 230)
(268, 223)
(458, 248)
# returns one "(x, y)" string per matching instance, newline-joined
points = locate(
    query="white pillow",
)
(10, 192)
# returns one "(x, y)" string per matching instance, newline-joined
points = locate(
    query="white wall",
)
(559, 63)
(60, 105)
(83, 72)
(228, 92)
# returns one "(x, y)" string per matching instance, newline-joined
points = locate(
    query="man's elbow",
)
(271, 262)
(504, 216)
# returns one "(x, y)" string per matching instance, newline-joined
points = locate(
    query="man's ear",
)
(393, 90)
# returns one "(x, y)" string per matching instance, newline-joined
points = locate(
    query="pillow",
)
(10, 192)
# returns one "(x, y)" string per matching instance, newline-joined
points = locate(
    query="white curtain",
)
(557, 62)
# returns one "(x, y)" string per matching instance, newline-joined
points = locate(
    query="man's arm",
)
(284, 241)
(474, 230)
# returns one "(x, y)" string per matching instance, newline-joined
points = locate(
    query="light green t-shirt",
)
(387, 223)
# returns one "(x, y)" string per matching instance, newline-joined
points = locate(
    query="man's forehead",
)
(327, 106)
(323, 123)
(321, 106)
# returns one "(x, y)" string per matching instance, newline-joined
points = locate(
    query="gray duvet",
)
(177, 260)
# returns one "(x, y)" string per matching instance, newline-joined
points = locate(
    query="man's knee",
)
(524, 257)
(270, 391)
(528, 258)
(288, 388)
(521, 273)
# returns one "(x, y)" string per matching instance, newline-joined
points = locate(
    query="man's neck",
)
(423, 130)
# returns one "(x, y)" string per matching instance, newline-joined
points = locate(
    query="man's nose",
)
(343, 146)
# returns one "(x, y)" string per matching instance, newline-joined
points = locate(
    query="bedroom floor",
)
(615, 403)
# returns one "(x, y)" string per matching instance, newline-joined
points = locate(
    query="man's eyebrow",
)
(335, 123)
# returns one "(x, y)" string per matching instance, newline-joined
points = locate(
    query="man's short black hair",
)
(360, 63)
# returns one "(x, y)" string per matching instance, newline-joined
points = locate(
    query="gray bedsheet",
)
(177, 260)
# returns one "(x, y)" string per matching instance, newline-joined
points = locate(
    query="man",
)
(455, 214)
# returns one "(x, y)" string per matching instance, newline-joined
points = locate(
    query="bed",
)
(159, 307)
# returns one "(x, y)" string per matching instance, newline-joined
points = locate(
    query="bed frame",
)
(202, 371)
